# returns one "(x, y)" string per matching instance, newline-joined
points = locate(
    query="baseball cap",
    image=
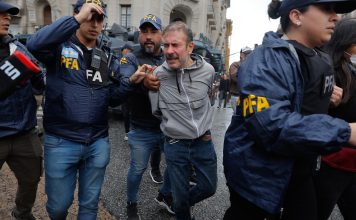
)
(5, 7)
(127, 46)
(151, 19)
(80, 3)
(340, 6)
(246, 50)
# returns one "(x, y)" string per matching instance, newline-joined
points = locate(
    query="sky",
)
(250, 22)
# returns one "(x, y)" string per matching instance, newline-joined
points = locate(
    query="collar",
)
(305, 50)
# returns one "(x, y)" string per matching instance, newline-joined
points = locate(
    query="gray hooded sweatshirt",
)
(182, 102)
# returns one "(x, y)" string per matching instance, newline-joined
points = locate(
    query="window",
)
(125, 15)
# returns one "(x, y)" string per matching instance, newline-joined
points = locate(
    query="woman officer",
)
(281, 123)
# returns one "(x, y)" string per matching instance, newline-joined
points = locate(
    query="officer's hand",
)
(352, 139)
(87, 11)
(336, 96)
(140, 74)
(151, 82)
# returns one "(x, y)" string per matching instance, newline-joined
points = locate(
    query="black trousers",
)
(242, 209)
(23, 154)
(300, 199)
(335, 186)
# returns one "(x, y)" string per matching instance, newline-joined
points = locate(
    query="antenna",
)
(102, 35)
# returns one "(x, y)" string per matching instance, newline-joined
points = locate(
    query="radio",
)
(96, 58)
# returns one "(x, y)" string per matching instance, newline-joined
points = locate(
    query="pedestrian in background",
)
(223, 90)
(127, 48)
(145, 136)
(20, 147)
(183, 105)
(335, 182)
(78, 94)
(233, 71)
(281, 123)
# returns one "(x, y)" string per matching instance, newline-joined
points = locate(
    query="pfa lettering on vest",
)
(328, 84)
(94, 77)
(10, 70)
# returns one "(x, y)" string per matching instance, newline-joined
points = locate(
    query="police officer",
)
(233, 71)
(145, 135)
(20, 146)
(78, 94)
(281, 123)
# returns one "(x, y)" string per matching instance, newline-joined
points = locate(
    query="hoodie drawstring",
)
(182, 71)
(177, 82)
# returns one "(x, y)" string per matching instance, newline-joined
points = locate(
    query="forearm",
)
(52, 35)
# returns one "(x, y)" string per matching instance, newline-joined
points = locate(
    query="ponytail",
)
(273, 9)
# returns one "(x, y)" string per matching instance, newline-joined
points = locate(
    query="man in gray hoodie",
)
(182, 103)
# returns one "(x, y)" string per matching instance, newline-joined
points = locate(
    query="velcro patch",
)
(123, 60)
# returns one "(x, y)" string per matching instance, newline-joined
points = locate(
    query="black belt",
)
(208, 132)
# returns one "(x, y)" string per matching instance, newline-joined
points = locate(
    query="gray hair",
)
(179, 26)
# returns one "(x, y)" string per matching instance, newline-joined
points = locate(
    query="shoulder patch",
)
(123, 60)
(69, 52)
(251, 104)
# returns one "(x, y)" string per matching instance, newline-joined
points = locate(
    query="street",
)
(114, 189)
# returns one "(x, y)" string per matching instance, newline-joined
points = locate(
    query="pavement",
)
(8, 186)
(113, 197)
(114, 189)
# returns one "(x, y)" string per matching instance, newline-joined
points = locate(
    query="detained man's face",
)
(176, 49)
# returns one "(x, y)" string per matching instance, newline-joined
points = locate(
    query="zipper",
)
(188, 100)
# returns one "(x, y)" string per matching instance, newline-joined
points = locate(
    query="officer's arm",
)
(154, 99)
(37, 80)
(128, 66)
(118, 95)
(44, 43)
(271, 117)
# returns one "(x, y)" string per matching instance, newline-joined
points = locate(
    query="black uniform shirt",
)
(318, 79)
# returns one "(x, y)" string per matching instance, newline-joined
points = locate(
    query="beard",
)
(150, 50)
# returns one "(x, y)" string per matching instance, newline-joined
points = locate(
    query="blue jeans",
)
(142, 143)
(180, 154)
(166, 185)
(63, 161)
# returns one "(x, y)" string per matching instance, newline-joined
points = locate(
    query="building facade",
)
(206, 18)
